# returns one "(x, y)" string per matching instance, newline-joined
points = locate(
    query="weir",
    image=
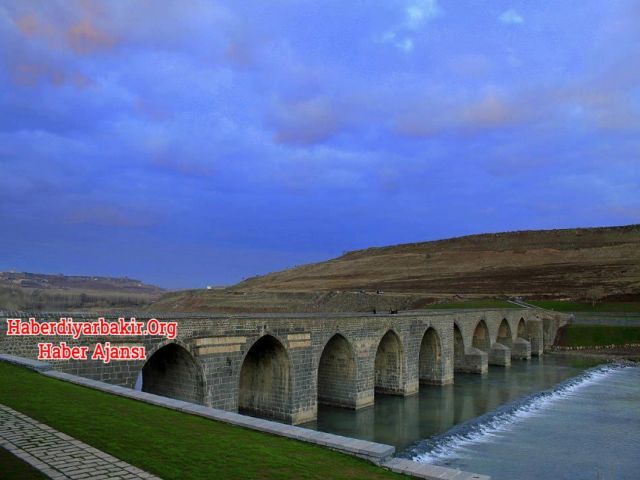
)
(281, 366)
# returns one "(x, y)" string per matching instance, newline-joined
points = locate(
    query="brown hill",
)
(583, 263)
(37, 291)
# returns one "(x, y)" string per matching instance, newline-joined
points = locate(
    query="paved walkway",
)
(57, 455)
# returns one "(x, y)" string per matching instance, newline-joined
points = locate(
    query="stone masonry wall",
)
(219, 345)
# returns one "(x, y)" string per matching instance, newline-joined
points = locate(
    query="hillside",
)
(585, 263)
(36, 291)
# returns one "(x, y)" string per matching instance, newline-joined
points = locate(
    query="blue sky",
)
(193, 142)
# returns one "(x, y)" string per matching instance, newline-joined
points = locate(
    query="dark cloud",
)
(227, 136)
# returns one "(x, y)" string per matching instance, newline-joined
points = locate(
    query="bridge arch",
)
(481, 339)
(265, 379)
(430, 359)
(337, 373)
(389, 364)
(171, 371)
(458, 348)
(505, 337)
(522, 328)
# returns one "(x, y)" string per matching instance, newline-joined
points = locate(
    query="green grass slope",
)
(170, 444)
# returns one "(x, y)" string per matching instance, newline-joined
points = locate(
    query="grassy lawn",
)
(597, 335)
(167, 443)
(474, 304)
(569, 306)
(15, 469)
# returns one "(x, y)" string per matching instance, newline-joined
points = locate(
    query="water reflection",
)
(402, 421)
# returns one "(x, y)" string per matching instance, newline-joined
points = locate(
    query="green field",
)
(602, 307)
(598, 335)
(167, 443)
(474, 304)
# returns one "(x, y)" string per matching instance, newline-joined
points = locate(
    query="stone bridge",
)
(281, 366)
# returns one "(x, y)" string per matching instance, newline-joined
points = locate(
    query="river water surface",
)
(543, 418)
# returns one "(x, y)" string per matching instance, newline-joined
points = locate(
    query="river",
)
(543, 418)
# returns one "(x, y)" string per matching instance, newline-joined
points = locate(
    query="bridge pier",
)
(500, 355)
(364, 398)
(521, 349)
(477, 357)
(474, 361)
(535, 333)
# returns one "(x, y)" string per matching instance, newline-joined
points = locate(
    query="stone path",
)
(57, 455)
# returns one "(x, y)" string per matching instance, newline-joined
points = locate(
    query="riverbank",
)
(591, 336)
(624, 354)
(170, 444)
(568, 306)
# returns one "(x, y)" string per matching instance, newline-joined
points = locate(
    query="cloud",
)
(151, 111)
(416, 15)
(511, 17)
(608, 110)
(185, 165)
(420, 12)
(401, 43)
(305, 122)
(33, 73)
(492, 110)
(471, 65)
(288, 117)
(240, 53)
(111, 216)
(29, 25)
(85, 37)
(84, 30)
(390, 180)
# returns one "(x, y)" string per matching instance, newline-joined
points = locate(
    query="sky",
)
(190, 143)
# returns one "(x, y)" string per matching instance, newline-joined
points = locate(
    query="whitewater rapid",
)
(453, 443)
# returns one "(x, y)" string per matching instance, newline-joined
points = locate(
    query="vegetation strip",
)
(171, 444)
(598, 335)
(374, 452)
(598, 307)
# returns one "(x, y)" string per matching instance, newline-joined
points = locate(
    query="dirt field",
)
(579, 264)
(35, 291)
